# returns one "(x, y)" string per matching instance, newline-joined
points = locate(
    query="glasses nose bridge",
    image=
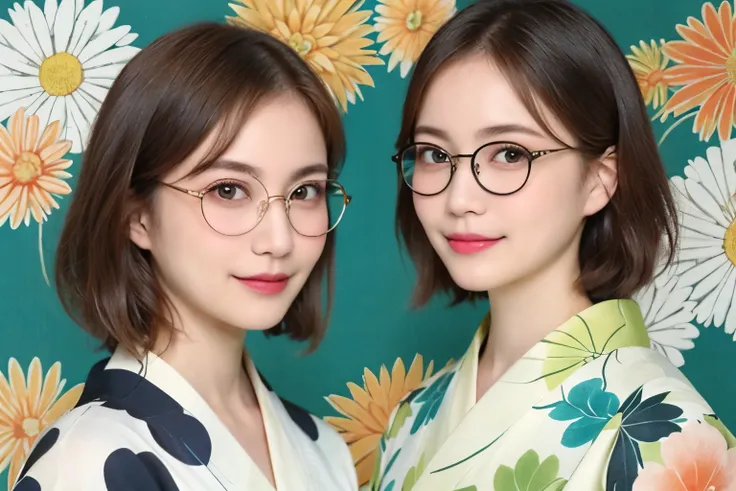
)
(264, 204)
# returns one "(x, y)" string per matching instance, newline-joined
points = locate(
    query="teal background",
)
(372, 324)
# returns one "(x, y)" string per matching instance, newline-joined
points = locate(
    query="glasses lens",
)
(234, 207)
(316, 207)
(502, 168)
(427, 169)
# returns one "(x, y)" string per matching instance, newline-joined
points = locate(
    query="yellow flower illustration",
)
(649, 65)
(405, 28)
(27, 406)
(328, 34)
(368, 412)
(32, 171)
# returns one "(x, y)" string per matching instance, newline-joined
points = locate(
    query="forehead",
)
(473, 94)
(279, 135)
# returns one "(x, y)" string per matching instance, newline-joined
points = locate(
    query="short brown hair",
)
(555, 53)
(163, 105)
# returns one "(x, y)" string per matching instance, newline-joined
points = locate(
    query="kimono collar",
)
(179, 419)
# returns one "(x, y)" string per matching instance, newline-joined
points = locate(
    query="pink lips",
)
(268, 284)
(470, 243)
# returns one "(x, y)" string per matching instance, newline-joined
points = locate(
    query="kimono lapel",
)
(283, 437)
(475, 432)
(214, 446)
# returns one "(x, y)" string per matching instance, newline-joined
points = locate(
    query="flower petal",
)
(85, 27)
(64, 404)
(63, 25)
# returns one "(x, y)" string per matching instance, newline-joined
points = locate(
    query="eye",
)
(511, 155)
(307, 191)
(432, 155)
(229, 191)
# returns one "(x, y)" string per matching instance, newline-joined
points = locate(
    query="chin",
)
(477, 279)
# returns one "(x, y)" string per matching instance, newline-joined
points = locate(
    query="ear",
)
(140, 227)
(602, 181)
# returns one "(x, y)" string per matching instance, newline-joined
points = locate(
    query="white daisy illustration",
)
(707, 252)
(59, 62)
(668, 315)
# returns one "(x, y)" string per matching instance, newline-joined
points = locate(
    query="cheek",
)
(547, 206)
(428, 209)
(307, 250)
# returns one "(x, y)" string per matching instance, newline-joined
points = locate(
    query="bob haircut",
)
(556, 55)
(165, 102)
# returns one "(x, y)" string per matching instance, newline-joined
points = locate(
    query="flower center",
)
(729, 242)
(27, 168)
(31, 426)
(61, 74)
(655, 78)
(731, 67)
(414, 20)
(301, 44)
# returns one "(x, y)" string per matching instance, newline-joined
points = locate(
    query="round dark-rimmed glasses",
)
(236, 206)
(500, 168)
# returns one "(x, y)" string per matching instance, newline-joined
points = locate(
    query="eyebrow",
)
(487, 132)
(244, 168)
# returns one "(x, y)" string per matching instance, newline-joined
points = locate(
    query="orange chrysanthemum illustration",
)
(649, 64)
(32, 172)
(706, 69)
(366, 415)
(406, 28)
(27, 406)
(327, 34)
(696, 459)
(31, 169)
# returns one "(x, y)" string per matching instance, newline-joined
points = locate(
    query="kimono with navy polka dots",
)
(141, 426)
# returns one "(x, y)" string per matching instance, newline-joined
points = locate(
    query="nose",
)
(464, 195)
(274, 234)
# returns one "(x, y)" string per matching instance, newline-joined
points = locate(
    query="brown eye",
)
(229, 191)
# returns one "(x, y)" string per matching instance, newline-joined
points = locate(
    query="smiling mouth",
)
(471, 243)
(266, 284)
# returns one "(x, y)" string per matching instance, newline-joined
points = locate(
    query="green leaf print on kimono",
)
(590, 406)
(646, 421)
(431, 400)
(530, 475)
(575, 344)
(413, 475)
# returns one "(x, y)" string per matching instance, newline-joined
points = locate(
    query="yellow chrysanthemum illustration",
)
(327, 34)
(649, 64)
(27, 406)
(405, 28)
(32, 171)
(368, 412)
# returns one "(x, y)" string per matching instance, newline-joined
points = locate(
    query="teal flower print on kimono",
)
(590, 406)
(431, 400)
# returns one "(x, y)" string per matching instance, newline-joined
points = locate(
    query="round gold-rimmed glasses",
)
(236, 206)
(500, 168)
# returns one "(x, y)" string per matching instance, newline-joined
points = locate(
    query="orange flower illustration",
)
(406, 27)
(27, 406)
(706, 70)
(695, 459)
(368, 412)
(649, 64)
(32, 172)
(330, 35)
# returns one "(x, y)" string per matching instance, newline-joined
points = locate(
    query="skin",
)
(199, 268)
(530, 273)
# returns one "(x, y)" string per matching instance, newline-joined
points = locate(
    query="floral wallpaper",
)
(58, 59)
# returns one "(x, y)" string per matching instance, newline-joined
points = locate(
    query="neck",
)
(524, 313)
(210, 358)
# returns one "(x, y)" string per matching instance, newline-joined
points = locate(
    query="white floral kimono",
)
(141, 426)
(589, 408)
